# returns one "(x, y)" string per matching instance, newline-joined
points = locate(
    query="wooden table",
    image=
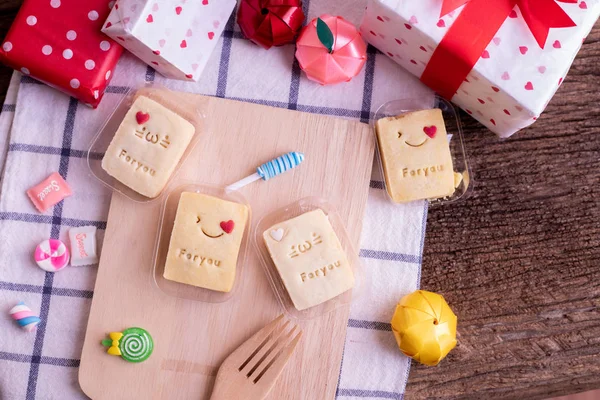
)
(519, 261)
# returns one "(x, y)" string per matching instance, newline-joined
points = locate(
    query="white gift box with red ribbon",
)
(507, 84)
(175, 37)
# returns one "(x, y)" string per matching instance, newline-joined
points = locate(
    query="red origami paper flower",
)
(270, 22)
(330, 50)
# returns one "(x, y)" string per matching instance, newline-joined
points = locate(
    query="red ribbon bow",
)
(475, 28)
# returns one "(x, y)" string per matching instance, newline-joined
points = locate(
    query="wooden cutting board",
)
(192, 338)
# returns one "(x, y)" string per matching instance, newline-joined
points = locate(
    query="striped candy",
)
(136, 345)
(52, 255)
(279, 165)
(24, 317)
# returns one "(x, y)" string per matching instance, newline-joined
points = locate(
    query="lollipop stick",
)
(243, 182)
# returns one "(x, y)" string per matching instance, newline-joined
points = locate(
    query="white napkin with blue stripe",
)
(51, 132)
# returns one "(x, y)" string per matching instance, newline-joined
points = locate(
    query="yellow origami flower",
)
(424, 327)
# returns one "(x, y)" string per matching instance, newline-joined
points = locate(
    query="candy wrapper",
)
(174, 37)
(60, 44)
(270, 22)
(501, 63)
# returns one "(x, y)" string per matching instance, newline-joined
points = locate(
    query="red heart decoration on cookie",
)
(142, 117)
(227, 226)
(430, 131)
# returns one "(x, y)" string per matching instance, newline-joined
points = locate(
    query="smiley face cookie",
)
(205, 242)
(309, 258)
(147, 147)
(416, 158)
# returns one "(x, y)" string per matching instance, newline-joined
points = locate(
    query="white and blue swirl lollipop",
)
(270, 169)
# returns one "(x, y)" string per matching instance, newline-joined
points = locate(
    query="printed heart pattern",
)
(430, 131)
(496, 107)
(227, 226)
(142, 117)
(149, 19)
(178, 10)
(211, 35)
(277, 234)
(183, 44)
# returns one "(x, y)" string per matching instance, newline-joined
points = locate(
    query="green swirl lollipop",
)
(133, 344)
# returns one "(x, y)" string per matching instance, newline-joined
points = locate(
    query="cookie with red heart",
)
(416, 157)
(205, 242)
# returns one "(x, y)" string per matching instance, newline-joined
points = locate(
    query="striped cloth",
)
(51, 132)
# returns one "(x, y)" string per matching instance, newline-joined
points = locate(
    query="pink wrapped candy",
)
(51, 255)
(49, 192)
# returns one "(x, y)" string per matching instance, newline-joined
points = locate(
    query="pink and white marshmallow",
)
(51, 255)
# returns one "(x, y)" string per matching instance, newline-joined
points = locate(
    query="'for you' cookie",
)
(147, 147)
(309, 258)
(205, 242)
(416, 158)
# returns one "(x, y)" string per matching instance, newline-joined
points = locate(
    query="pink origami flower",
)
(330, 50)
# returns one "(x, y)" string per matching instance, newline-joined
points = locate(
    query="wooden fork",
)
(252, 369)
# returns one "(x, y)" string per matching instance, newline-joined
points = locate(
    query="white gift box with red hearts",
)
(513, 80)
(175, 37)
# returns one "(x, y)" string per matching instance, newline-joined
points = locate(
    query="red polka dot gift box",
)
(499, 60)
(175, 37)
(59, 42)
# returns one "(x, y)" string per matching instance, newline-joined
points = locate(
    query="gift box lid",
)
(59, 42)
(516, 70)
(176, 34)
